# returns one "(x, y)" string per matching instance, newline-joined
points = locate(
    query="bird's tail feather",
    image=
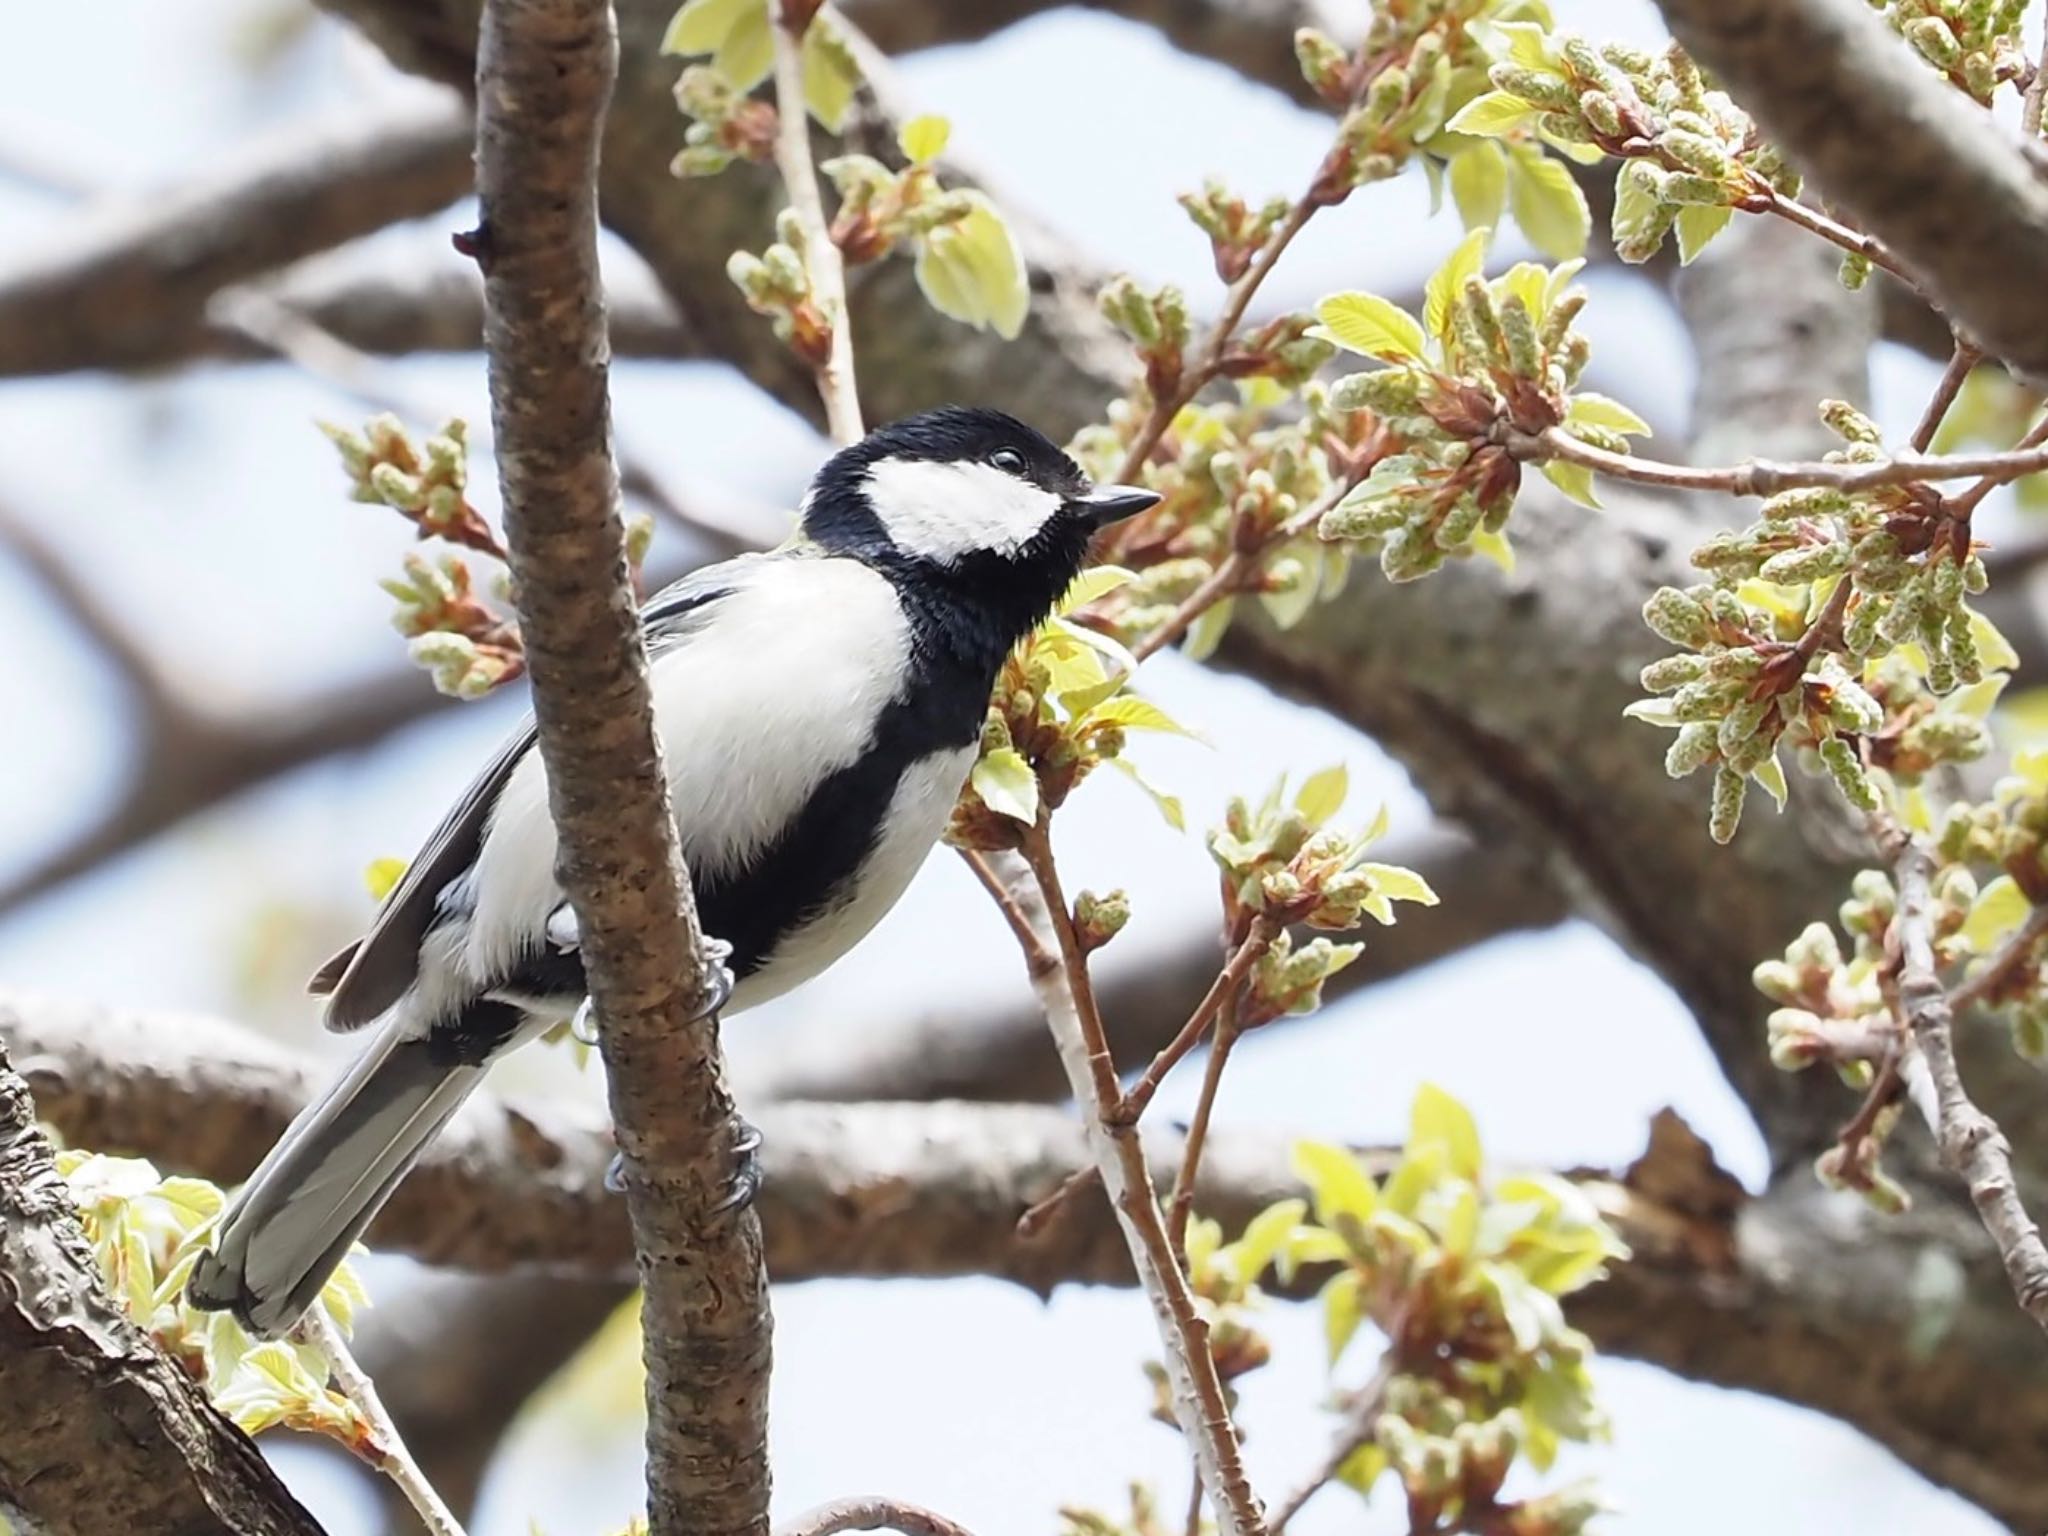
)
(294, 1221)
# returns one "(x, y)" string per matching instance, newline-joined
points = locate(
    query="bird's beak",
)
(1107, 504)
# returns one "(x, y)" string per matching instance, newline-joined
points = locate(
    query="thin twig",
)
(1964, 358)
(1199, 1404)
(1228, 980)
(1763, 477)
(1040, 1212)
(1236, 300)
(2031, 102)
(2012, 954)
(385, 1449)
(1360, 1417)
(1854, 241)
(870, 1514)
(821, 257)
(1971, 1144)
(1962, 506)
(1233, 572)
(1038, 955)
(1181, 1204)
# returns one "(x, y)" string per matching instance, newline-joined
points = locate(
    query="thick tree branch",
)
(1802, 1294)
(128, 285)
(544, 78)
(99, 1430)
(1914, 162)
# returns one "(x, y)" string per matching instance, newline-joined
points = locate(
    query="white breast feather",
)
(917, 815)
(945, 511)
(780, 689)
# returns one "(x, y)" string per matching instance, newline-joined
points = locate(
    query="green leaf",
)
(1206, 633)
(1169, 806)
(1575, 480)
(1362, 1468)
(1460, 1221)
(701, 25)
(1342, 1312)
(1489, 115)
(1999, 908)
(1526, 43)
(830, 77)
(1981, 696)
(746, 54)
(1495, 549)
(1445, 285)
(1479, 183)
(1599, 411)
(1096, 581)
(1652, 712)
(1264, 1236)
(1006, 784)
(1136, 714)
(1547, 203)
(1772, 777)
(1413, 1177)
(1334, 1178)
(1439, 1119)
(971, 270)
(382, 876)
(1993, 649)
(1398, 884)
(1322, 794)
(1696, 225)
(923, 139)
(1367, 323)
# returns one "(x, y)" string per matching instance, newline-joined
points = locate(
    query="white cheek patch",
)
(945, 511)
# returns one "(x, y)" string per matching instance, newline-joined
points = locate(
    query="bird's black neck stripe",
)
(956, 649)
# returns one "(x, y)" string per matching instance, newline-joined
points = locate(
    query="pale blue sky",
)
(209, 504)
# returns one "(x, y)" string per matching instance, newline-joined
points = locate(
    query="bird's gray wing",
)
(365, 979)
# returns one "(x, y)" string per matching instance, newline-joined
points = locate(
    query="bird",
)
(819, 708)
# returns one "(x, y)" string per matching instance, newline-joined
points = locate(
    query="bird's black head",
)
(969, 507)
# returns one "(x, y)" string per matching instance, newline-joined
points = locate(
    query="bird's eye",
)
(1008, 460)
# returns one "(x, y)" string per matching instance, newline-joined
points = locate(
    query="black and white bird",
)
(819, 708)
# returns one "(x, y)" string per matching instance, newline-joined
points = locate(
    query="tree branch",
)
(1802, 1294)
(1972, 1145)
(544, 77)
(1914, 162)
(128, 284)
(1114, 1147)
(99, 1430)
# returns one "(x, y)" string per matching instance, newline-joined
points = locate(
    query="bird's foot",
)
(742, 1186)
(745, 1182)
(715, 976)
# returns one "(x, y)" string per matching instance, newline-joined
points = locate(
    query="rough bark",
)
(101, 1434)
(544, 75)
(1888, 142)
(1901, 1327)
(128, 284)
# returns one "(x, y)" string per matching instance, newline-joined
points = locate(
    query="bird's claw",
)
(744, 1184)
(715, 976)
(746, 1169)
